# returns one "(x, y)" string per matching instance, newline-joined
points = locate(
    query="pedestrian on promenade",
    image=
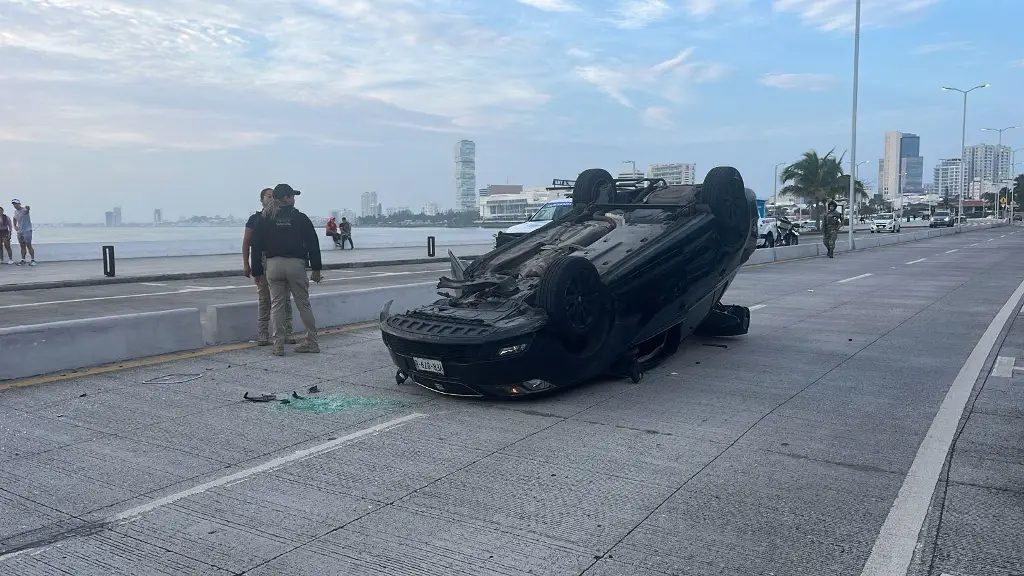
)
(6, 229)
(290, 242)
(346, 233)
(263, 288)
(830, 228)
(332, 232)
(23, 227)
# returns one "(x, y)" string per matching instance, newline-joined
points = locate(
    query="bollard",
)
(108, 261)
(430, 247)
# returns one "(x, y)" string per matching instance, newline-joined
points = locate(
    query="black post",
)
(108, 261)
(430, 247)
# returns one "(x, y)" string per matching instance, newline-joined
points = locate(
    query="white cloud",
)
(550, 5)
(670, 79)
(809, 82)
(658, 117)
(941, 47)
(334, 54)
(578, 53)
(832, 15)
(634, 14)
(704, 8)
(1018, 63)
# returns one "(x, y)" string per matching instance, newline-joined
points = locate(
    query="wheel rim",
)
(581, 300)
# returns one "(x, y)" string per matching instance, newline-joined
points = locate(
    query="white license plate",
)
(428, 365)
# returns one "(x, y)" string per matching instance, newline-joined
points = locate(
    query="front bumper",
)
(516, 366)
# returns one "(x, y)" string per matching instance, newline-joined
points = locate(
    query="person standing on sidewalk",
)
(6, 229)
(23, 226)
(290, 241)
(263, 288)
(830, 228)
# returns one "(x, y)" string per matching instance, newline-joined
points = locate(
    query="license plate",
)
(428, 365)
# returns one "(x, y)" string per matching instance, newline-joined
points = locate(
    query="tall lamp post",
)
(633, 164)
(775, 194)
(1013, 166)
(963, 144)
(853, 129)
(995, 173)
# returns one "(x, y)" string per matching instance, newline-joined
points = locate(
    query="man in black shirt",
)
(263, 288)
(290, 242)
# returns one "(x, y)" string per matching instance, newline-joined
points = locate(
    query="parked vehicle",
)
(941, 218)
(767, 232)
(887, 222)
(546, 214)
(789, 231)
(612, 286)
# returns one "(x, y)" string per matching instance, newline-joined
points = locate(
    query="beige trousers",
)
(287, 277)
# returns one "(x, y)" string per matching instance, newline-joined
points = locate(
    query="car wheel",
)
(591, 186)
(724, 193)
(571, 293)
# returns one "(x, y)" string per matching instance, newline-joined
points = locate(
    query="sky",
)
(193, 106)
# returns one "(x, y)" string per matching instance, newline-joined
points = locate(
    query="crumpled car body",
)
(612, 286)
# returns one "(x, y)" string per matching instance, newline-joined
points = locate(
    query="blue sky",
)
(192, 106)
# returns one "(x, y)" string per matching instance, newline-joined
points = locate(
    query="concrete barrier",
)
(236, 322)
(44, 348)
(798, 251)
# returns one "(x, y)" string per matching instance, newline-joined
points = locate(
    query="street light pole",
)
(853, 130)
(995, 173)
(631, 162)
(963, 144)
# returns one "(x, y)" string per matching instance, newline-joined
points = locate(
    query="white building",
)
(391, 211)
(158, 216)
(948, 177)
(981, 187)
(431, 209)
(370, 205)
(889, 167)
(675, 174)
(988, 162)
(517, 206)
(465, 176)
(630, 175)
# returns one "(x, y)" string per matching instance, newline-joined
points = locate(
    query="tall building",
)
(988, 162)
(117, 215)
(158, 216)
(675, 174)
(370, 205)
(911, 163)
(948, 177)
(431, 209)
(108, 218)
(889, 177)
(465, 176)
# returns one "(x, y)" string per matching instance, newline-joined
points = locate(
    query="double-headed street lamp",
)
(853, 130)
(963, 144)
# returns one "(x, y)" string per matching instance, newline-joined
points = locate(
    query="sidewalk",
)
(90, 273)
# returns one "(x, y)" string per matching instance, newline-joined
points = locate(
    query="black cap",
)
(283, 191)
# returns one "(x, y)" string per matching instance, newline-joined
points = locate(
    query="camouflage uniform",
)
(830, 230)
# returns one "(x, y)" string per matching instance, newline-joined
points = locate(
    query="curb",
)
(209, 274)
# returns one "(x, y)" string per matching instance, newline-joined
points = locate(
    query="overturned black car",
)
(611, 287)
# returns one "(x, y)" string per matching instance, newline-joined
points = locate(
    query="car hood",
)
(526, 227)
(882, 221)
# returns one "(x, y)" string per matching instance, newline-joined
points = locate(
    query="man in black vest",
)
(263, 288)
(290, 242)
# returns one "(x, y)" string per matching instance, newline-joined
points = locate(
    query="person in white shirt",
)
(23, 227)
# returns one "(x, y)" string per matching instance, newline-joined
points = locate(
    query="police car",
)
(547, 213)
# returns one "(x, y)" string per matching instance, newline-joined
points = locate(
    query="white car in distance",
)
(887, 222)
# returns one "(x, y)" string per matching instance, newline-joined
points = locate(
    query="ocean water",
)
(60, 243)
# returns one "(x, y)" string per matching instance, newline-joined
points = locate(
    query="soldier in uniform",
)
(830, 228)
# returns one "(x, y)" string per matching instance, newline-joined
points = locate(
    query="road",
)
(812, 445)
(50, 305)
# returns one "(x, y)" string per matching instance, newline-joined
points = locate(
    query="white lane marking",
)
(1003, 366)
(190, 289)
(757, 306)
(854, 278)
(916, 261)
(894, 549)
(953, 250)
(265, 467)
(241, 476)
(152, 284)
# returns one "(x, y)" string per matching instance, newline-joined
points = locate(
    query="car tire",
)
(724, 193)
(571, 293)
(591, 186)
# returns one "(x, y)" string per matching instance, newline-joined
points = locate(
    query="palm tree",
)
(818, 179)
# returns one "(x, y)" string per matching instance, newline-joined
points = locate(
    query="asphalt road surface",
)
(38, 306)
(813, 445)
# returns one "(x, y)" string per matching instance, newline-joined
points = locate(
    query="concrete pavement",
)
(783, 452)
(90, 273)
